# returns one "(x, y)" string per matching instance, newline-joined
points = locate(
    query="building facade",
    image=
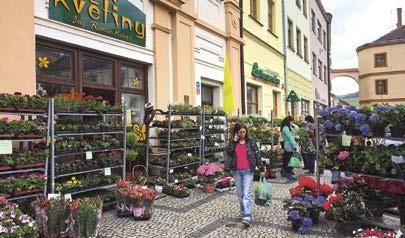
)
(263, 57)
(298, 84)
(191, 41)
(320, 22)
(382, 68)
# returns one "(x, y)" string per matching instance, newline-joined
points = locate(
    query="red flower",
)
(327, 206)
(307, 182)
(326, 190)
(295, 191)
(334, 198)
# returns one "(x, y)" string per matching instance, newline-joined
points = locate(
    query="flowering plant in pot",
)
(86, 216)
(52, 216)
(208, 173)
(14, 223)
(298, 215)
(141, 199)
(374, 233)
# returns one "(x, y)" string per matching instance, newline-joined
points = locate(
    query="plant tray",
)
(24, 166)
(27, 192)
(5, 167)
(221, 190)
(28, 136)
(66, 110)
(8, 109)
(6, 135)
(28, 110)
(113, 112)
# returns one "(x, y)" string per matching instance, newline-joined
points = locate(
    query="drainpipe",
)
(329, 24)
(285, 56)
(242, 60)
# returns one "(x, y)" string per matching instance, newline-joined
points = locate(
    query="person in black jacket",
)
(242, 158)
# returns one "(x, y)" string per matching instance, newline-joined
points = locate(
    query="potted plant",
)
(298, 215)
(178, 190)
(160, 182)
(397, 121)
(52, 216)
(14, 223)
(225, 183)
(208, 173)
(141, 200)
(86, 216)
(6, 102)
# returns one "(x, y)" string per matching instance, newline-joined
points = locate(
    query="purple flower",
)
(352, 115)
(24, 218)
(342, 112)
(296, 198)
(307, 222)
(294, 215)
(12, 214)
(338, 127)
(374, 118)
(328, 124)
(352, 108)
(303, 230)
(324, 113)
(383, 108)
(365, 129)
(2, 215)
(319, 201)
(360, 117)
(3, 229)
(308, 198)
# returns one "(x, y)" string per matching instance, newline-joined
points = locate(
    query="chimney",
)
(399, 15)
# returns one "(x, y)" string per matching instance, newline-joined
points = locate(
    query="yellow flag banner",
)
(229, 106)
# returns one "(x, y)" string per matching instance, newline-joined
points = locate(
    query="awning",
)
(293, 97)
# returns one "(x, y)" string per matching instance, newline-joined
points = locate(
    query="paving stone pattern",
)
(212, 215)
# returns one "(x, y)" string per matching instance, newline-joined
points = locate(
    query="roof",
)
(394, 37)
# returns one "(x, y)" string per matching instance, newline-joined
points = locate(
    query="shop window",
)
(53, 64)
(97, 71)
(51, 89)
(304, 107)
(381, 87)
(136, 104)
(380, 60)
(207, 95)
(132, 77)
(252, 100)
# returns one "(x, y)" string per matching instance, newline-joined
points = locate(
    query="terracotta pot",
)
(19, 193)
(209, 187)
(30, 136)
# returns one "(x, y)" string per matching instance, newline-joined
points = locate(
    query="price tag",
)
(144, 187)
(210, 127)
(211, 120)
(189, 154)
(266, 160)
(171, 171)
(216, 144)
(326, 143)
(200, 128)
(6, 147)
(68, 197)
(89, 155)
(186, 167)
(202, 137)
(53, 195)
(399, 234)
(176, 181)
(107, 171)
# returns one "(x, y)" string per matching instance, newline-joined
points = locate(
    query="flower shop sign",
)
(257, 72)
(119, 19)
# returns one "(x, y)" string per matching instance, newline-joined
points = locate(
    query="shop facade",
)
(264, 71)
(97, 48)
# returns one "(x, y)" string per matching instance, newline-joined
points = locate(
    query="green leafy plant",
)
(86, 214)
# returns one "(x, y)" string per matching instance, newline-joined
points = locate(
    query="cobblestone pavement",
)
(212, 215)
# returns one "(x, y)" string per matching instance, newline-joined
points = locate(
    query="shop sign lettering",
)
(257, 72)
(119, 19)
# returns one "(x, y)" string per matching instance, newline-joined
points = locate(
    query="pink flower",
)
(343, 155)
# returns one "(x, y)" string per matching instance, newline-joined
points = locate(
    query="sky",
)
(354, 23)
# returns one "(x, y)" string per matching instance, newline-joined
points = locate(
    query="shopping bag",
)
(295, 161)
(263, 193)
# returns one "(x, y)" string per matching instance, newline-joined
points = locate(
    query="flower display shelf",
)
(213, 121)
(21, 143)
(176, 124)
(117, 117)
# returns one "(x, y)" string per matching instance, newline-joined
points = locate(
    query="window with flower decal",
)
(53, 63)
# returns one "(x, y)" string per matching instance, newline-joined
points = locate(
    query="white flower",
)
(30, 224)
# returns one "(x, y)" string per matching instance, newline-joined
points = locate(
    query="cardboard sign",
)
(107, 171)
(89, 155)
(6, 147)
(53, 195)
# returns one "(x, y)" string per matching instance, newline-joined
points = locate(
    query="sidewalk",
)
(212, 215)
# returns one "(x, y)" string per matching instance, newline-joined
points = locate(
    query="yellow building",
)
(382, 68)
(263, 58)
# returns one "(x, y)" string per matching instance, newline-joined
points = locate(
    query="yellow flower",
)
(73, 178)
(135, 81)
(43, 62)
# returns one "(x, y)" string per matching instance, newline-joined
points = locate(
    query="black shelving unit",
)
(219, 138)
(167, 142)
(27, 143)
(54, 136)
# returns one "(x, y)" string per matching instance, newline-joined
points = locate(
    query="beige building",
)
(382, 68)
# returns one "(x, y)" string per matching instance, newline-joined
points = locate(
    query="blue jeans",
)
(244, 180)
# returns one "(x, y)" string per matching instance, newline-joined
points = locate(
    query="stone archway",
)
(351, 73)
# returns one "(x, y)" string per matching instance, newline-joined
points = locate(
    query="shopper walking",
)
(308, 145)
(242, 159)
(287, 132)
